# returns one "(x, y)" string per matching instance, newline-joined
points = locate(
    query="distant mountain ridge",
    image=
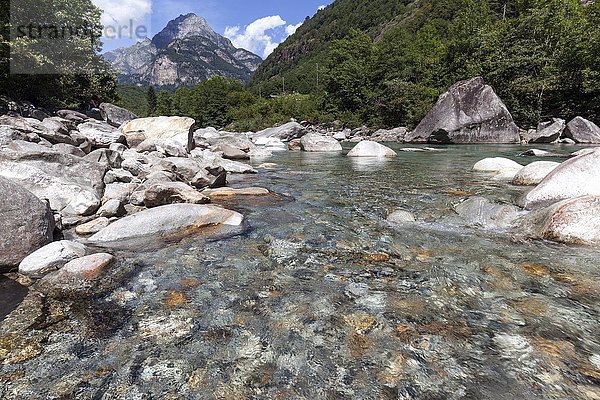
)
(184, 53)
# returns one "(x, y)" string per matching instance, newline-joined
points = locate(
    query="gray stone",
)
(100, 134)
(534, 173)
(576, 177)
(163, 193)
(176, 220)
(580, 130)
(231, 153)
(400, 217)
(51, 257)
(114, 115)
(285, 132)
(71, 184)
(480, 212)
(112, 208)
(106, 157)
(369, 148)
(94, 226)
(470, 112)
(26, 224)
(85, 277)
(176, 128)
(68, 149)
(548, 132)
(572, 221)
(314, 142)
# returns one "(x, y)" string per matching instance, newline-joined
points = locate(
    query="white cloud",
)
(124, 12)
(291, 29)
(321, 7)
(261, 36)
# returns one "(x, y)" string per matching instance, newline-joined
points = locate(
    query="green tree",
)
(151, 100)
(163, 104)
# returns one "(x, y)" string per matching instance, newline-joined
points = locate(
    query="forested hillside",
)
(385, 62)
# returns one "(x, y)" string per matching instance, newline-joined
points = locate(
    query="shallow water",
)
(321, 298)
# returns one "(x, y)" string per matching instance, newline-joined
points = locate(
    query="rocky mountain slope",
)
(185, 52)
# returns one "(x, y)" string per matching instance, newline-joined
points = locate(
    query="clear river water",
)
(321, 298)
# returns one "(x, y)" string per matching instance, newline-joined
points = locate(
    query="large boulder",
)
(580, 130)
(178, 128)
(163, 193)
(313, 142)
(579, 176)
(71, 184)
(100, 134)
(369, 148)
(168, 222)
(8, 134)
(469, 112)
(114, 115)
(285, 132)
(26, 224)
(495, 165)
(573, 221)
(534, 173)
(547, 132)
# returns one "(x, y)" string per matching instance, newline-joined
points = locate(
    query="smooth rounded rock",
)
(495, 165)
(401, 216)
(51, 257)
(534, 173)
(579, 176)
(314, 142)
(176, 220)
(94, 226)
(368, 148)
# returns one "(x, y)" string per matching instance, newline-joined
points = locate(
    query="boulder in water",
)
(316, 143)
(534, 173)
(368, 148)
(548, 132)
(580, 130)
(163, 193)
(168, 223)
(469, 112)
(576, 177)
(572, 221)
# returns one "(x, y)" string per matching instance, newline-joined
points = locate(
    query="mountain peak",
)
(182, 27)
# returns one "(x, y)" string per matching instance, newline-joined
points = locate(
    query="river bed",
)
(322, 298)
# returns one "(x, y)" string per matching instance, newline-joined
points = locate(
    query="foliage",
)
(151, 101)
(539, 55)
(65, 72)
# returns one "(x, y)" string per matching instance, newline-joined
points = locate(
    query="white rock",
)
(369, 148)
(401, 216)
(314, 142)
(51, 257)
(495, 165)
(534, 173)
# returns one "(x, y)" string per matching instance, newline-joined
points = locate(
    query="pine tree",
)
(151, 101)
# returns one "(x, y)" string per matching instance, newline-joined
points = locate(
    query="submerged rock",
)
(226, 192)
(480, 212)
(369, 148)
(534, 173)
(168, 222)
(579, 176)
(469, 112)
(401, 216)
(314, 142)
(51, 257)
(26, 224)
(573, 221)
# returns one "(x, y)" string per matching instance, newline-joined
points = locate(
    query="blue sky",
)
(257, 25)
